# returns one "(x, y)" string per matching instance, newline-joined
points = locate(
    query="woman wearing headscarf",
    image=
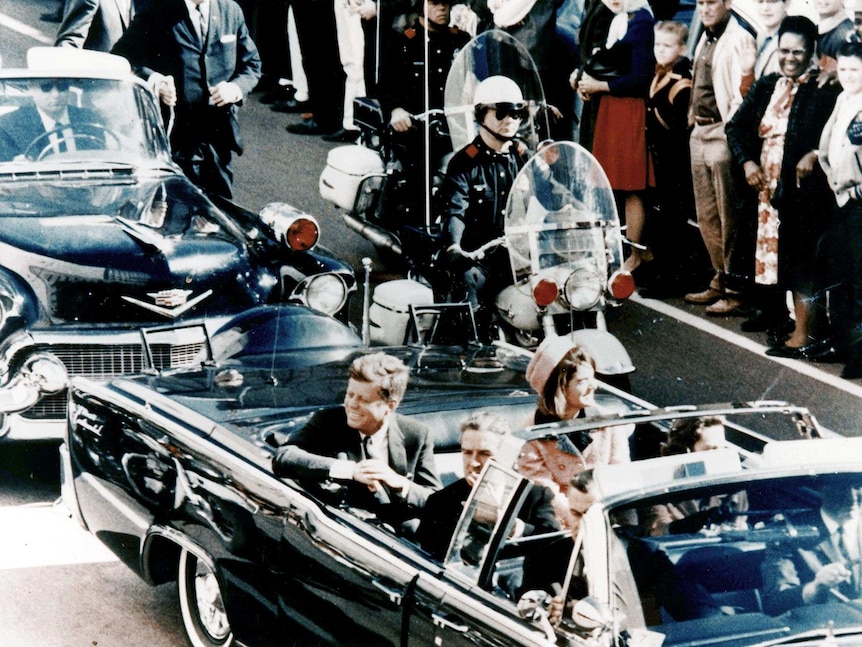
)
(620, 73)
(774, 136)
(564, 377)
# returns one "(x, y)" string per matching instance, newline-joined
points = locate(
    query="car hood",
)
(102, 252)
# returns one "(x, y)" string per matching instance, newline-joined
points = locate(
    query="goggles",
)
(502, 110)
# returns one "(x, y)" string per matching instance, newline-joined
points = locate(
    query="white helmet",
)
(497, 89)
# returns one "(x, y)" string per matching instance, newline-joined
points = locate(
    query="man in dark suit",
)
(49, 113)
(96, 24)
(198, 57)
(481, 435)
(829, 570)
(385, 460)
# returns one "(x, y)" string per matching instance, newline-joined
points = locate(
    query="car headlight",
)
(583, 289)
(326, 293)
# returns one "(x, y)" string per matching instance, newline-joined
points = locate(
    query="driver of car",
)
(385, 460)
(50, 125)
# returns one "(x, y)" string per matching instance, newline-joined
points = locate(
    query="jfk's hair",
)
(553, 400)
(486, 421)
(678, 29)
(389, 373)
(685, 433)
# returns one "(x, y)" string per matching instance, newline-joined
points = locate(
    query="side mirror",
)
(591, 617)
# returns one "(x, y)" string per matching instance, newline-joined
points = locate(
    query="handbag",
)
(602, 66)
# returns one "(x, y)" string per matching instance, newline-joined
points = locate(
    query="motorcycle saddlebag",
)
(346, 166)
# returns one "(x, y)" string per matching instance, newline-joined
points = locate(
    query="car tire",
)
(202, 602)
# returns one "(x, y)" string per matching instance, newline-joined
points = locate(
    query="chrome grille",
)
(103, 362)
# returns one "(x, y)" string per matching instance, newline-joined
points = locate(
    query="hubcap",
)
(210, 604)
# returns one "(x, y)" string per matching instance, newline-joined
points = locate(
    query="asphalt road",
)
(59, 587)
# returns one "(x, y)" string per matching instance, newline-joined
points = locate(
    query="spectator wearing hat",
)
(564, 377)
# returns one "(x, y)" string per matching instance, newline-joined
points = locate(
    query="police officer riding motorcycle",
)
(472, 199)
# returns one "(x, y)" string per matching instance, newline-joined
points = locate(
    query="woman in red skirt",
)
(619, 75)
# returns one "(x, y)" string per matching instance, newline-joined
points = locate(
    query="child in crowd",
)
(676, 245)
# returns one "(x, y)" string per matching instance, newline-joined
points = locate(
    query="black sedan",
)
(173, 473)
(101, 235)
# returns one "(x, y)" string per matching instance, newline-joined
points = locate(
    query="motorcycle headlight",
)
(583, 289)
(326, 293)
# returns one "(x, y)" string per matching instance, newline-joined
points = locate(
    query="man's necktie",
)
(367, 449)
(202, 22)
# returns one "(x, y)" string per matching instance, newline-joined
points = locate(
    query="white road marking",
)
(800, 366)
(25, 30)
(45, 535)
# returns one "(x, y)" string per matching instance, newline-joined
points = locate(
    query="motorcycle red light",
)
(302, 234)
(545, 292)
(621, 284)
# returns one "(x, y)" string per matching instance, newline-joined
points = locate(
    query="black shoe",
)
(852, 370)
(759, 322)
(807, 351)
(275, 95)
(290, 106)
(306, 127)
(342, 135)
(788, 352)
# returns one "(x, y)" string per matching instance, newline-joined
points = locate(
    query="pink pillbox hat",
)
(545, 360)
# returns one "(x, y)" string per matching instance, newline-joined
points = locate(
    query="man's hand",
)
(225, 93)
(165, 88)
(400, 120)
(373, 472)
(367, 10)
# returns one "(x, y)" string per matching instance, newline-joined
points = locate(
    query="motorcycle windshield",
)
(562, 225)
(493, 53)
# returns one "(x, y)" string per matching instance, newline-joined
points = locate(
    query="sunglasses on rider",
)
(514, 110)
(47, 86)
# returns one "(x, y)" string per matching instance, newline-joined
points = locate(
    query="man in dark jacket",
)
(384, 460)
(200, 60)
(481, 435)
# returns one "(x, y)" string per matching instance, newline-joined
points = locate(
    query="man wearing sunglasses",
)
(474, 194)
(51, 125)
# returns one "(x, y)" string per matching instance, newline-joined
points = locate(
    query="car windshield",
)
(79, 120)
(713, 561)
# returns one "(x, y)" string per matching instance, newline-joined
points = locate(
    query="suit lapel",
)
(397, 451)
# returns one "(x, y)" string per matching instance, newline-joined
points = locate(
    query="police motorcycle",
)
(561, 230)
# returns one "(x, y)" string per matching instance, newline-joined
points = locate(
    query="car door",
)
(472, 602)
(345, 581)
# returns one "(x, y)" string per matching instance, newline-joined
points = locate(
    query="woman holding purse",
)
(620, 73)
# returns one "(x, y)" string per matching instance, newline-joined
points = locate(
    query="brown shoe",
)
(709, 295)
(725, 307)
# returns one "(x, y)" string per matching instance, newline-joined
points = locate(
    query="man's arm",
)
(77, 19)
